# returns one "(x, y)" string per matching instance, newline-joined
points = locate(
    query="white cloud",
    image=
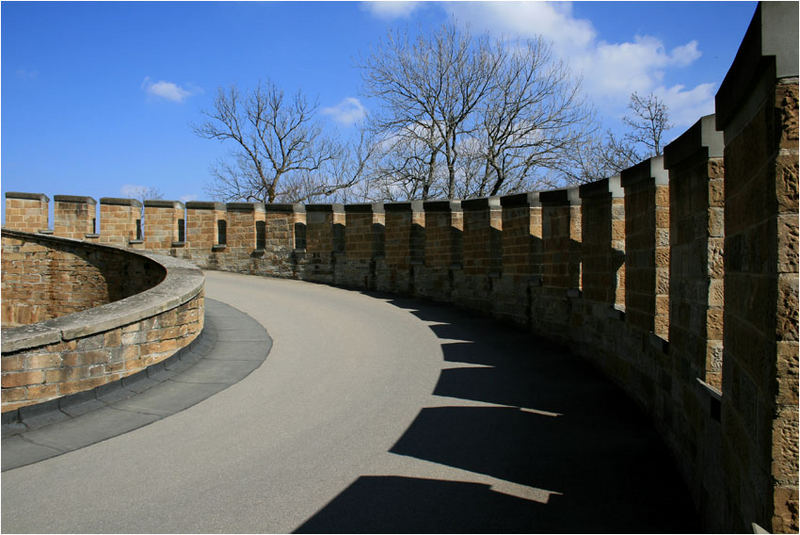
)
(349, 111)
(165, 90)
(553, 21)
(187, 198)
(389, 10)
(686, 54)
(687, 106)
(610, 71)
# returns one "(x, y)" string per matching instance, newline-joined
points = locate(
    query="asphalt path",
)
(371, 414)
(230, 347)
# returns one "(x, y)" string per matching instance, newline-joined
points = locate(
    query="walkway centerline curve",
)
(371, 414)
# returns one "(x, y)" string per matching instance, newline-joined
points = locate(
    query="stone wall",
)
(403, 247)
(120, 222)
(204, 221)
(481, 253)
(552, 302)
(75, 217)
(27, 212)
(284, 233)
(757, 113)
(45, 278)
(82, 350)
(647, 246)
(697, 235)
(364, 242)
(36, 375)
(163, 225)
(521, 261)
(442, 253)
(324, 240)
(603, 242)
(628, 272)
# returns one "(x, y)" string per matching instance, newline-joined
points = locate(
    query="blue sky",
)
(98, 97)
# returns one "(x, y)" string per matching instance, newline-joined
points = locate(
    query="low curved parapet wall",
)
(83, 350)
(46, 277)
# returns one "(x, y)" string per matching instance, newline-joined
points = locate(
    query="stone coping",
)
(181, 283)
(120, 201)
(74, 198)
(205, 205)
(769, 45)
(568, 196)
(607, 187)
(649, 169)
(483, 203)
(408, 206)
(701, 135)
(28, 196)
(520, 199)
(251, 207)
(364, 208)
(441, 206)
(295, 208)
(163, 204)
(335, 207)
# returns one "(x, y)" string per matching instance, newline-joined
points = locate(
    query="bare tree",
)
(531, 120)
(649, 120)
(408, 166)
(337, 178)
(473, 116)
(602, 157)
(429, 89)
(279, 151)
(141, 193)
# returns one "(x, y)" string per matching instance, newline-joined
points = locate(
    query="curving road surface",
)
(371, 414)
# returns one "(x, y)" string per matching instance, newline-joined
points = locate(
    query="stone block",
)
(12, 379)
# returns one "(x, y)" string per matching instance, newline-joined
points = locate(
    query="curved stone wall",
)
(83, 350)
(45, 277)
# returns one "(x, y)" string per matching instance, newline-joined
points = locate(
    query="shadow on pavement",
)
(390, 504)
(548, 420)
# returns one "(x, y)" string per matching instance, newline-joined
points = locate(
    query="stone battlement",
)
(678, 278)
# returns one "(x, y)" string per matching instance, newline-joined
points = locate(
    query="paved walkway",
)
(371, 415)
(230, 347)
